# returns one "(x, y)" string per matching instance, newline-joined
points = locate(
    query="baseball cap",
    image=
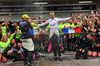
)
(14, 20)
(25, 16)
(92, 34)
(51, 12)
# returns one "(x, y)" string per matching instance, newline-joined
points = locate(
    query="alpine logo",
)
(52, 24)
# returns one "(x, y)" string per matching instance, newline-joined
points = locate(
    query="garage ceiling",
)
(31, 2)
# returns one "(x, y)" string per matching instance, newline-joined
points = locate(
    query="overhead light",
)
(41, 3)
(85, 1)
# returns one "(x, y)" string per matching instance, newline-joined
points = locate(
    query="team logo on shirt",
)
(53, 24)
(22, 22)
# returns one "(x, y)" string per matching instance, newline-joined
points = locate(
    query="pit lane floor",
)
(68, 60)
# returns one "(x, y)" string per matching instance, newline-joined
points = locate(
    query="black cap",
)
(92, 34)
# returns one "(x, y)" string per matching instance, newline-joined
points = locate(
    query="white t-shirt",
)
(54, 24)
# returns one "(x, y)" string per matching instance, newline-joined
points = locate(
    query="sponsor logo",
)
(22, 22)
(53, 24)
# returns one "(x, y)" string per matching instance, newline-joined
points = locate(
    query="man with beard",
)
(27, 43)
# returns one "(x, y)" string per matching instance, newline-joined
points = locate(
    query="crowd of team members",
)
(85, 43)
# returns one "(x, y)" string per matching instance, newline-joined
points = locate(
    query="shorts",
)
(42, 38)
(36, 39)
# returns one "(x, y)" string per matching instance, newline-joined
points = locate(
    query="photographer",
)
(83, 43)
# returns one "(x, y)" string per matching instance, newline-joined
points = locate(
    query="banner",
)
(46, 8)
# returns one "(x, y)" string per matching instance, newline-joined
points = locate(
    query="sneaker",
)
(25, 63)
(14, 59)
(60, 59)
(54, 58)
(42, 55)
(31, 65)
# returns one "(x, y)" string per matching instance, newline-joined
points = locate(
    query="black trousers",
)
(84, 54)
(15, 55)
(27, 55)
(57, 49)
(55, 44)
